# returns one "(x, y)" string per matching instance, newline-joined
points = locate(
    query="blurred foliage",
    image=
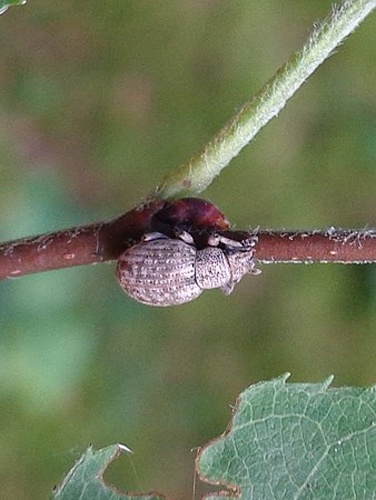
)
(98, 101)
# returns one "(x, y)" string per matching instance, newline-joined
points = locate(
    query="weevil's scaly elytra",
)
(162, 271)
(159, 272)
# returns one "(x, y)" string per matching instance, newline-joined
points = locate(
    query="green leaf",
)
(297, 441)
(5, 4)
(85, 480)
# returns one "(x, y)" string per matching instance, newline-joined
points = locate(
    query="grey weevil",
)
(162, 271)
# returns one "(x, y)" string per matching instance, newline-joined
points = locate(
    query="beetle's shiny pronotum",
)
(162, 271)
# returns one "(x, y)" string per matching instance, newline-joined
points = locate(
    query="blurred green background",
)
(98, 101)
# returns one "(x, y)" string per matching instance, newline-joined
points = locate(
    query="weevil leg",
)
(228, 242)
(228, 288)
(184, 236)
(213, 240)
(245, 244)
(231, 243)
(251, 241)
(154, 236)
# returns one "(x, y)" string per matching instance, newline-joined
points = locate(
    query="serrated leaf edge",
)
(279, 381)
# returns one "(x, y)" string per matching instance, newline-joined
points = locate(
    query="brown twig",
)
(105, 241)
(341, 246)
(98, 242)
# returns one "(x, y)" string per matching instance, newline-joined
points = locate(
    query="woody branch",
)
(105, 241)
